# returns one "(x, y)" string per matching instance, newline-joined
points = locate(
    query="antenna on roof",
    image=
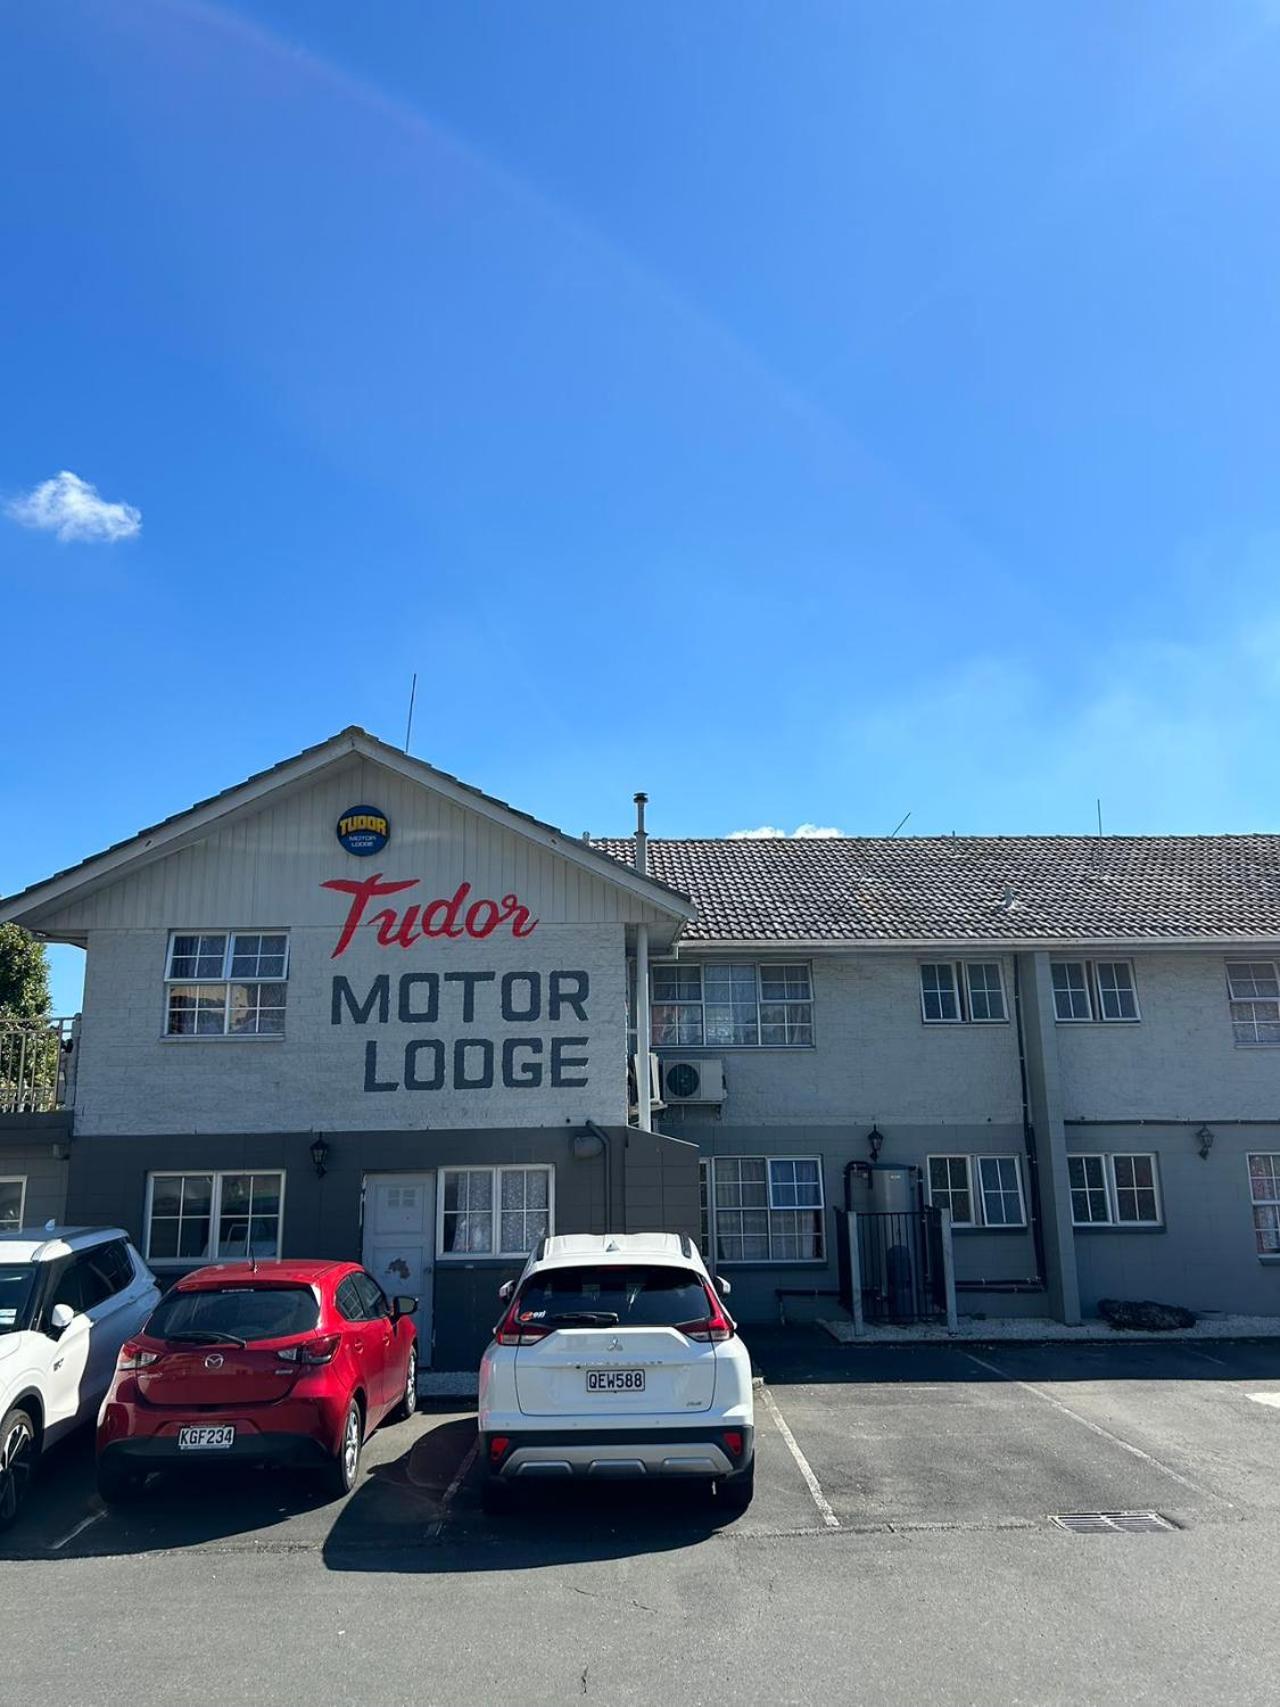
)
(1099, 805)
(413, 694)
(898, 825)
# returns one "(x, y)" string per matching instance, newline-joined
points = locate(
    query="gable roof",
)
(990, 889)
(198, 821)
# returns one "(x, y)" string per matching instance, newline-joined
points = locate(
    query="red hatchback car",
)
(259, 1362)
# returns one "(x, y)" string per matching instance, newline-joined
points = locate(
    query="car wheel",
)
(409, 1398)
(498, 1497)
(735, 1493)
(18, 1453)
(118, 1484)
(344, 1470)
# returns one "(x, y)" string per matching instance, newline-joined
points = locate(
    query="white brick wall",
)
(133, 1080)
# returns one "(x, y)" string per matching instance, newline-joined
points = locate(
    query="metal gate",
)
(897, 1259)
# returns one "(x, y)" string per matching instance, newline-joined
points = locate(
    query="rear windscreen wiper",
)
(205, 1336)
(585, 1318)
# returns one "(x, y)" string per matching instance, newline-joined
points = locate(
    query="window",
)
(970, 991)
(226, 984)
(950, 1188)
(723, 1005)
(1000, 1184)
(110, 1270)
(372, 1297)
(1095, 990)
(1253, 987)
(1117, 997)
(1071, 990)
(938, 996)
(494, 1212)
(13, 1196)
(1119, 1191)
(766, 1209)
(1264, 1189)
(238, 1214)
(998, 1200)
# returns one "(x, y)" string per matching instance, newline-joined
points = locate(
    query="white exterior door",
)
(400, 1242)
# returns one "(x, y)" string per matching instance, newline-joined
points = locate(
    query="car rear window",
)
(634, 1297)
(248, 1312)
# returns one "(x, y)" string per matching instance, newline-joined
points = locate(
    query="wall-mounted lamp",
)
(875, 1141)
(1204, 1142)
(319, 1156)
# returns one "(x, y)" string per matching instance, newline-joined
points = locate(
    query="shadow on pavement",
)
(807, 1355)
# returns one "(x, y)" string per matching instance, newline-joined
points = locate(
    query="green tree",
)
(24, 975)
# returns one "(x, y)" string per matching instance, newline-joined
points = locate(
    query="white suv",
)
(69, 1299)
(616, 1358)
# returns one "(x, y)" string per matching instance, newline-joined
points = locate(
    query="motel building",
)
(355, 1007)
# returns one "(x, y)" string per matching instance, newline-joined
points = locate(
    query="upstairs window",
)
(955, 992)
(723, 1004)
(226, 984)
(1253, 989)
(1102, 990)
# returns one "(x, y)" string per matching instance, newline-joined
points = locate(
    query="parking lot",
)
(902, 1525)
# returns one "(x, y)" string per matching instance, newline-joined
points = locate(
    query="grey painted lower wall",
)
(35, 1148)
(1204, 1255)
(654, 1185)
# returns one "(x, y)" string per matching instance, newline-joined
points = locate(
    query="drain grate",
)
(1111, 1522)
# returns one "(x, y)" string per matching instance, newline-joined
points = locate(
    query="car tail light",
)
(312, 1351)
(133, 1356)
(512, 1331)
(717, 1326)
(498, 1445)
(733, 1440)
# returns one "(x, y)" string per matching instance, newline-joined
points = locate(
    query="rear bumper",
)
(550, 1454)
(150, 1432)
(159, 1452)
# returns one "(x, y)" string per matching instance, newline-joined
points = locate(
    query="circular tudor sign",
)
(364, 830)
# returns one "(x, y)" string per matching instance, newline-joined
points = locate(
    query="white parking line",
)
(802, 1463)
(79, 1529)
(1094, 1427)
(1265, 1399)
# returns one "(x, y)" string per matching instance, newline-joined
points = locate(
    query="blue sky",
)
(809, 412)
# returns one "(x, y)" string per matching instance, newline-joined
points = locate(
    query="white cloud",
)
(70, 508)
(766, 832)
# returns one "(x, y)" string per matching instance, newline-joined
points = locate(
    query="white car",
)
(616, 1358)
(69, 1299)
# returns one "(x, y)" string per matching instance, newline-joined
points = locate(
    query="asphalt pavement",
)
(901, 1548)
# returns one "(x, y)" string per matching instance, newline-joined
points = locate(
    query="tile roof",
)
(964, 888)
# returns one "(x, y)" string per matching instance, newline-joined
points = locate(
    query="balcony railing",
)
(37, 1065)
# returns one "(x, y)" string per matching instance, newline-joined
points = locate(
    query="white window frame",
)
(216, 1176)
(1073, 1019)
(977, 1190)
(1239, 1019)
(18, 1180)
(496, 1169)
(1104, 1017)
(759, 967)
(952, 1156)
(224, 982)
(1271, 1252)
(981, 1198)
(960, 973)
(771, 1208)
(1108, 1158)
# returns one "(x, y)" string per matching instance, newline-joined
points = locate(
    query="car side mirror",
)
(506, 1289)
(403, 1305)
(723, 1287)
(61, 1318)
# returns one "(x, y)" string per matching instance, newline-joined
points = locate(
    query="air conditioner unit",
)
(693, 1081)
(633, 1081)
